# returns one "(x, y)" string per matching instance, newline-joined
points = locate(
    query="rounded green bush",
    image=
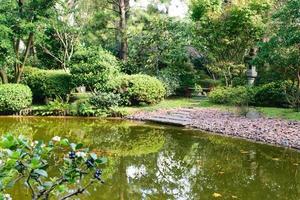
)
(93, 67)
(273, 94)
(47, 83)
(105, 100)
(14, 97)
(136, 89)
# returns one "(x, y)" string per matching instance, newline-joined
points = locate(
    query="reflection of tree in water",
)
(164, 175)
(196, 169)
(133, 141)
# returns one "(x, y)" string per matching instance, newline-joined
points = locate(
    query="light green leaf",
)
(41, 172)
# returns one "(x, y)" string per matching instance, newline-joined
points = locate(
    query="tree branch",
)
(78, 191)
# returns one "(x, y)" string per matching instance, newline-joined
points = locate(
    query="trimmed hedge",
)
(136, 89)
(47, 84)
(14, 97)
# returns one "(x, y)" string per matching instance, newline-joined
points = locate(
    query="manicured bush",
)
(103, 100)
(47, 84)
(136, 89)
(273, 94)
(232, 95)
(93, 67)
(14, 97)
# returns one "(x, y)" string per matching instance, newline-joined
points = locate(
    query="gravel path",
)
(268, 130)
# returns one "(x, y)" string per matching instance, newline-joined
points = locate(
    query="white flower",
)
(34, 143)
(81, 154)
(7, 197)
(56, 139)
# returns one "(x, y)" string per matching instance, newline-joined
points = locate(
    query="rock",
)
(253, 115)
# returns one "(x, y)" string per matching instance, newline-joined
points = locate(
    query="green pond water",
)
(161, 162)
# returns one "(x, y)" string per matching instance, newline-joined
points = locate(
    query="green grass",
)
(166, 104)
(280, 113)
(283, 113)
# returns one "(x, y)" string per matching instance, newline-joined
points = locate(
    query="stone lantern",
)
(251, 69)
(251, 75)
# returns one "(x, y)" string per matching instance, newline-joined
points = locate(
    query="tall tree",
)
(22, 18)
(62, 33)
(228, 33)
(121, 8)
(281, 54)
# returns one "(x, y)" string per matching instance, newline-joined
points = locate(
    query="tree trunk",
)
(3, 76)
(298, 93)
(123, 51)
(298, 79)
(20, 66)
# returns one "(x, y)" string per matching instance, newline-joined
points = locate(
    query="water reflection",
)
(151, 162)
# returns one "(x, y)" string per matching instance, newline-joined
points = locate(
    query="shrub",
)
(232, 95)
(136, 89)
(93, 67)
(14, 97)
(57, 168)
(278, 94)
(47, 84)
(84, 108)
(105, 100)
(272, 94)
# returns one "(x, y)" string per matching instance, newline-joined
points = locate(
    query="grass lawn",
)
(280, 113)
(283, 113)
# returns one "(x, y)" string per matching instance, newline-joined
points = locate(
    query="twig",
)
(78, 191)
(30, 187)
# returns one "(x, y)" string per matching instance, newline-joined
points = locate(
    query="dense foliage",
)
(272, 94)
(93, 67)
(95, 42)
(232, 95)
(279, 56)
(136, 89)
(47, 84)
(105, 100)
(14, 97)
(229, 32)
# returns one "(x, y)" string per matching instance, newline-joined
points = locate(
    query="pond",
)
(147, 161)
